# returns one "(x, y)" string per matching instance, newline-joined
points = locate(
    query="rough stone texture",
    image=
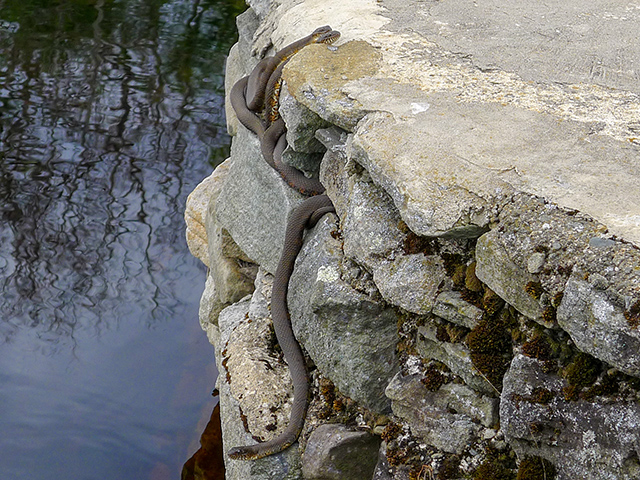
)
(592, 281)
(504, 277)
(455, 356)
(286, 465)
(451, 307)
(476, 133)
(245, 207)
(591, 441)
(594, 317)
(574, 45)
(372, 235)
(382, 470)
(450, 396)
(210, 305)
(336, 453)
(321, 301)
(231, 272)
(429, 417)
(194, 217)
(302, 124)
(335, 68)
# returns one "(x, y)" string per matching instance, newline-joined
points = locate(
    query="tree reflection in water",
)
(111, 112)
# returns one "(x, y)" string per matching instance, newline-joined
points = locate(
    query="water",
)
(111, 112)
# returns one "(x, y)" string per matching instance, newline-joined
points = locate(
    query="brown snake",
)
(247, 98)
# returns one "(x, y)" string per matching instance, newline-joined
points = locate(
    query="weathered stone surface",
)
(231, 272)
(373, 238)
(451, 307)
(255, 387)
(304, 151)
(194, 216)
(245, 207)
(540, 172)
(592, 281)
(496, 269)
(555, 238)
(480, 132)
(574, 49)
(302, 124)
(593, 315)
(334, 322)
(334, 452)
(465, 400)
(428, 415)
(382, 470)
(261, 7)
(234, 71)
(586, 440)
(455, 356)
(259, 379)
(210, 305)
(332, 68)
(437, 193)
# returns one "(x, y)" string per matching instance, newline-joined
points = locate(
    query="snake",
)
(248, 97)
(305, 216)
(259, 77)
(273, 144)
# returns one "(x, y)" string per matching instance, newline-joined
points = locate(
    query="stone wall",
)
(472, 309)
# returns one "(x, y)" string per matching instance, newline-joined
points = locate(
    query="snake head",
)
(328, 37)
(321, 31)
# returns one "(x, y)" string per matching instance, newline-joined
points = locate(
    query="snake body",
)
(248, 98)
(260, 74)
(247, 117)
(304, 216)
(273, 144)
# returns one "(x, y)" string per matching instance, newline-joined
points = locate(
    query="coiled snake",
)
(248, 100)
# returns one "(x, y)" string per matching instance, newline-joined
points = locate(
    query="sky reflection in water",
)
(111, 113)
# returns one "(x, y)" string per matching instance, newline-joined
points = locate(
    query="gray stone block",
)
(335, 322)
(336, 453)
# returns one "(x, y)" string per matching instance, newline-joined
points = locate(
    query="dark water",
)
(111, 112)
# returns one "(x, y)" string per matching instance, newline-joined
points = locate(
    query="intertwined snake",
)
(248, 100)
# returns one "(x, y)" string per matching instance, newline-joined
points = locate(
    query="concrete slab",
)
(483, 98)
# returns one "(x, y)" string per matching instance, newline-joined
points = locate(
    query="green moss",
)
(490, 347)
(471, 282)
(491, 302)
(450, 468)
(493, 469)
(453, 262)
(633, 315)
(391, 432)
(414, 244)
(433, 379)
(557, 299)
(583, 370)
(608, 386)
(474, 298)
(442, 334)
(534, 289)
(549, 314)
(541, 249)
(542, 395)
(536, 468)
(537, 347)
